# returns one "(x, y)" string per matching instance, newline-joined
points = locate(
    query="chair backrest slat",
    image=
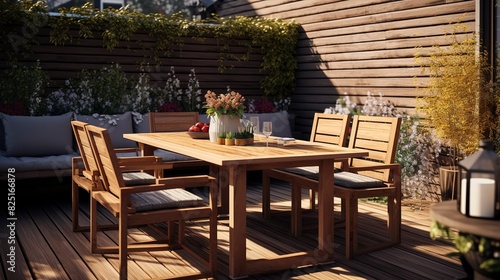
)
(172, 121)
(84, 145)
(106, 159)
(378, 135)
(330, 128)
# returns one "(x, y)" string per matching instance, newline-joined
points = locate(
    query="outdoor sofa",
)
(34, 147)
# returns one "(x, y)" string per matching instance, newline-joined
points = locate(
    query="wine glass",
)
(267, 129)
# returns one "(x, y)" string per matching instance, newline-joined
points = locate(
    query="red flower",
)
(170, 107)
(264, 106)
(16, 108)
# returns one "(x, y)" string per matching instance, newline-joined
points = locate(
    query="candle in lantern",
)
(481, 199)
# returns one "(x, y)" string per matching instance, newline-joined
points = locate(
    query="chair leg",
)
(296, 215)
(74, 206)
(171, 231)
(394, 218)
(93, 225)
(212, 257)
(266, 195)
(122, 241)
(182, 231)
(351, 226)
(312, 199)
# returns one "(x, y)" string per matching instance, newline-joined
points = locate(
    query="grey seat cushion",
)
(164, 199)
(356, 181)
(310, 172)
(138, 178)
(341, 178)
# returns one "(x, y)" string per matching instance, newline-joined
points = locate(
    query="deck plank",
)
(64, 254)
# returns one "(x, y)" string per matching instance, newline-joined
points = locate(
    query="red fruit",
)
(205, 128)
(194, 128)
(200, 125)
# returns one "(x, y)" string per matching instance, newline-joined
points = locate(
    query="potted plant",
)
(225, 111)
(453, 100)
(229, 139)
(221, 138)
(478, 254)
(244, 136)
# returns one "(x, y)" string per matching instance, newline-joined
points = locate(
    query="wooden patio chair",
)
(373, 176)
(327, 128)
(86, 176)
(172, 121)
(175, 122)
(162, 201)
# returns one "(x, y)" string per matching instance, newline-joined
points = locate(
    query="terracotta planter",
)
(229, 142)
(471, 262)
(240, 141)
(221, 141)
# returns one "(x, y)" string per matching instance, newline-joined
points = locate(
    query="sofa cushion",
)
(22, 164)
(141, 122)
(117, 125)
(281, 123)
(37, 136)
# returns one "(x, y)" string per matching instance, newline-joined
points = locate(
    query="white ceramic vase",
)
(222, 123)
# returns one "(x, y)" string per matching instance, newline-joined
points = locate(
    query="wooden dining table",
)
(235, 161)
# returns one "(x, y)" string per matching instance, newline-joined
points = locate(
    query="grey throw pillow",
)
(37, 136)
(117, 125)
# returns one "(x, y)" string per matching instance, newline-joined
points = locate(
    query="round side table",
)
(447, 214)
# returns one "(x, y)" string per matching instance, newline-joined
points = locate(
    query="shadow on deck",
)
(46, 247)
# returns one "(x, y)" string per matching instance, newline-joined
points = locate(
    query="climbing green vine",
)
(276, 38)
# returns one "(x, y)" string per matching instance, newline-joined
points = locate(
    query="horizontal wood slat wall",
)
(360, 46)
(64, 62)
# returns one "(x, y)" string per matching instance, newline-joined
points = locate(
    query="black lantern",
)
(479, 181)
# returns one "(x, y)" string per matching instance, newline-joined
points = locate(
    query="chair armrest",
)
(395, 168)
(126, 150)
(391, 166)
(75, 166)
(143, 163)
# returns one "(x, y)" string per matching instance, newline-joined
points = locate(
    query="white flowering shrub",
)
(418, 146)
(109, 91)
(344, 106)
(104, 91)
(192, 98)
(141, 98)
(283, 104)
(171, 92)
(418, 149)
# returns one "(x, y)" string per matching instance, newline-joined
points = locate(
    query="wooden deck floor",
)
(46, 247)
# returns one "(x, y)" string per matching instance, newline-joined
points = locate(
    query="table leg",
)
(237, 221)
(222, 176)
(146, 150)
(224, 190)
(325, 211)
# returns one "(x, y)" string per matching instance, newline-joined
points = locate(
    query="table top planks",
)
(256, 156)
